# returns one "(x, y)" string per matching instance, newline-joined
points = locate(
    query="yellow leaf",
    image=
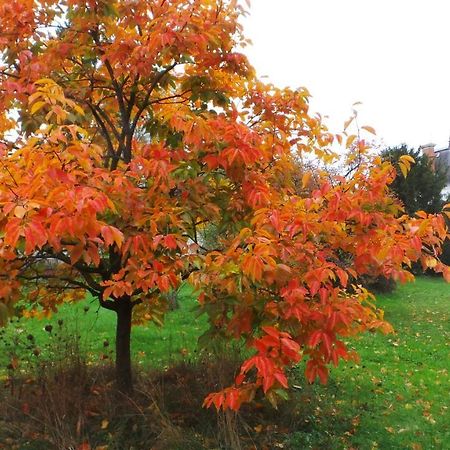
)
(78, 109)
(369, 129)
(409, 158)
(404, 169)
(44, 81)
(422, 215)
(34, 96)
(350, 140)
(348, 122)
(19, 211)
(305, 179)
(431, 262)
(36, 107)
(105, 424)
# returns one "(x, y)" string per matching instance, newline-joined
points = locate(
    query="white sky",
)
(391, 55)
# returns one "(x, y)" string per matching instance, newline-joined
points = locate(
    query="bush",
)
(378, 285)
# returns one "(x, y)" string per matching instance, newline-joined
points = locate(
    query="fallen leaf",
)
(84, 446)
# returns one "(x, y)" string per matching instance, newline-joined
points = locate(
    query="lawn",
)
(93, 329)
(395, 398)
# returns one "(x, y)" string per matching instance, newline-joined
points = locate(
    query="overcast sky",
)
(391, 55)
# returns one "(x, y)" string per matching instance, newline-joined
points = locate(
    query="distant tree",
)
(422, 189)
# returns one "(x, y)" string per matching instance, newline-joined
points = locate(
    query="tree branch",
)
(105, 132)
(145, 103)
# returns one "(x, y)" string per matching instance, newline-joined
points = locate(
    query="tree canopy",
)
(422, 189)
(129, 127)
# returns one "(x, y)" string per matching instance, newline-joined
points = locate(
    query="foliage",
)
(422, 189)
(138, 124)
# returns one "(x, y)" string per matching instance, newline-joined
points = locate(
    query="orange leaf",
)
(369, 129)
(12, 230)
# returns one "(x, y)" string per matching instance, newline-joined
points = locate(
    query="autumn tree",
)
(128, 128)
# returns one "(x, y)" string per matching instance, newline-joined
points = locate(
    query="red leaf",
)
(311, 371)
(107, 235)
(239, 379)
(281, 378)
(170, 242)
(315, 338)
(343, 276)
(232, 399)
(322, 371)
(35, 236)
(291, 349)
(12, 230)
(271, 331)
(76, 253)
(247, 365)
(268, 381)
(84, 446)
(218, 400)
(314, 287)
(327, 342)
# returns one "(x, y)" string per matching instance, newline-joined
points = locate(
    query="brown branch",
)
(158, 100)
(104, 130)
(125, 135)
(11, 175)
(107, 119)
(145, 103)
(11, 75)
(81, 267)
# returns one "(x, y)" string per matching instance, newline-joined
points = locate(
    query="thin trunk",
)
(124, 377)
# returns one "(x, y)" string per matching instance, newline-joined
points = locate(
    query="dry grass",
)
(73, 405)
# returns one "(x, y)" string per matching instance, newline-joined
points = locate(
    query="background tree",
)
(128, 128)
(422, 189)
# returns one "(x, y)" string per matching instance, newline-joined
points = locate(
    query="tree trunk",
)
(124, 379)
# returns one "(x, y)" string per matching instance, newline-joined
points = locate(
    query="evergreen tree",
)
(422, 188)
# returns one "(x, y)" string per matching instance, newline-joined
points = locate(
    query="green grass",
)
(395, 398)
(152, 345)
